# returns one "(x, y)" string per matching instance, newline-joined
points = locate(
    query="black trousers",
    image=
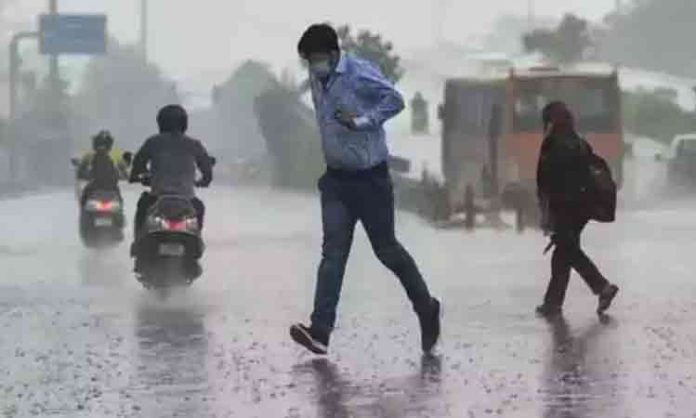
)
(569, 255)
(147, 200)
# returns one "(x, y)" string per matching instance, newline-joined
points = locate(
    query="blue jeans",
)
(370, 200)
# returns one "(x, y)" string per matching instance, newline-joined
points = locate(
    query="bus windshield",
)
(594, 102)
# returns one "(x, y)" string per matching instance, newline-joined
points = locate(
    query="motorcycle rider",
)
(103, 167)
(171, 158)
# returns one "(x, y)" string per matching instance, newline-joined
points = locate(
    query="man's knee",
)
(336, 250)
(391, 254)
(144, 204)
(567, 247)
(145, 201)
(199, 207)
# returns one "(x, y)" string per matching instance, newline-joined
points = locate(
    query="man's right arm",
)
(140, 161)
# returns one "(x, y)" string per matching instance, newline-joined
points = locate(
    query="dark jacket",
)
(563, 175)
(173, 159)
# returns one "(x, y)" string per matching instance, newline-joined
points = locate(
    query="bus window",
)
(590, 100)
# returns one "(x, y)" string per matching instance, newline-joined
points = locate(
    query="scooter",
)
(102, 217)
(169, 245)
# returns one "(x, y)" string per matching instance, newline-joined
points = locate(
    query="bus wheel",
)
(469, 208)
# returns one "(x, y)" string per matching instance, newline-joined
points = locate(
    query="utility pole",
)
(439, 16)
(143, 27)
(54, 67)
(531, 15)
(15, 62)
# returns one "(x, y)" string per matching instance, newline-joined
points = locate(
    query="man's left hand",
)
(346, 118)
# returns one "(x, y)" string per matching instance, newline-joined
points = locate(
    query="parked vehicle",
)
(681, 168)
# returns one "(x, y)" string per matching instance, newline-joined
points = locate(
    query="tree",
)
(566, 44)
(654, 114)
(121, 92)
(5, 34)
(237, 133)
(292, 137)
(652, 34)
(372, 47)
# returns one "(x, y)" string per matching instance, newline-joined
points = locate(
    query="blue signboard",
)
(72, 34)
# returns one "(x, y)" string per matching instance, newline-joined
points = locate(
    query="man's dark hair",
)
(319, 38)
(172, 119)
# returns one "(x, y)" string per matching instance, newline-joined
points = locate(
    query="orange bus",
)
(492, 130)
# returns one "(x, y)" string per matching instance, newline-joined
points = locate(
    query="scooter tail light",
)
(171, 225)
(102, 205)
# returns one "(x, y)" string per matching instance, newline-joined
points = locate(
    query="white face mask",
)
(321, 69)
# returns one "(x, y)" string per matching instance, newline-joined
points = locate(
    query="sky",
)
(189, 39)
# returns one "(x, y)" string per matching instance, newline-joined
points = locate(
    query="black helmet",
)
(172, 119)
(103, 140)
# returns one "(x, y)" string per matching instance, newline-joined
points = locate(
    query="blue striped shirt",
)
(356, 86)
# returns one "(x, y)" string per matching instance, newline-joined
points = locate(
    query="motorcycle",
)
(169, 245)
(102, 219)
(102, 216)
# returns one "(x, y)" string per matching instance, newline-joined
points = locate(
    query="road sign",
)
(72, 34)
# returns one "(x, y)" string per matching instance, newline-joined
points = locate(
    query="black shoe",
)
(606, 298)
(314, 341)
(548, 311)
(430, 327)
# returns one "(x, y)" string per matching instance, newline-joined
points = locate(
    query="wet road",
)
(79, 337)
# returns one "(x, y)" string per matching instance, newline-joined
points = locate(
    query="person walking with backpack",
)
(565, 189)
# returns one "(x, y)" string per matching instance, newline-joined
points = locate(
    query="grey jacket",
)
(173, 159)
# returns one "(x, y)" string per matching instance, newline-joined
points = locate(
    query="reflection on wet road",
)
(172, 359)
(574, 386)
(80, 338)
(336, 396)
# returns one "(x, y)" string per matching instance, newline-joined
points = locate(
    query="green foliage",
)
(653, 34)
(292, 138)
(566, 44)
(237, 134)
(374, 48)
(654, 114)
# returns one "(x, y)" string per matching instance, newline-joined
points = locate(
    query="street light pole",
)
(54, 65)
(143, 27)
(531, 12)
(14, 95)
